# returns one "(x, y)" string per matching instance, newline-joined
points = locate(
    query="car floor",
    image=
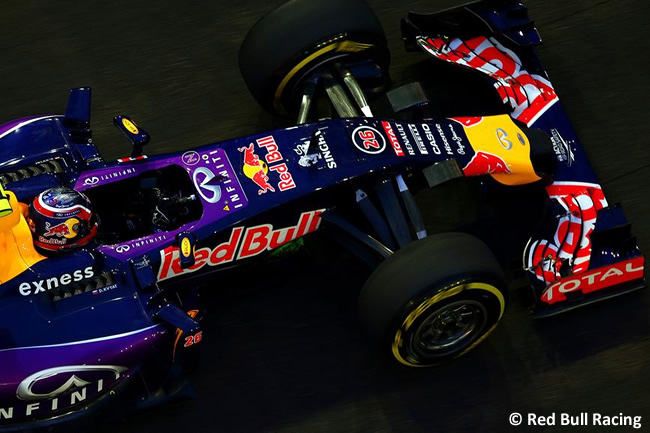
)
(290, 355)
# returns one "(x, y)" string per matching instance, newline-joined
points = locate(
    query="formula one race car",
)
(117, 319)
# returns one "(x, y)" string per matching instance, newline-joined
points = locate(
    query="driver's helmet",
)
(61, 219)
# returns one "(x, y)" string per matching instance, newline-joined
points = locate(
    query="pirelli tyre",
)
(302, 36)
(435, 299)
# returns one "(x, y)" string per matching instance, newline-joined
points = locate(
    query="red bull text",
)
(257, 170)
(243, 243)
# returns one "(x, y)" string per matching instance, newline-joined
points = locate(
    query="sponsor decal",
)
(191, 157)
(503, 138)
(595, 280)
(572, 239)
(388, 129)
(501, 145)
(405, 139)
(325, 152)
(186, 247)
(306, 159)
(94, 180)
(130, 126)
(242, 244)
(432, 141)
(122, 248)
(206, 184)
(91, 181)
(455, 138)
(140, 242)
(257, 170)
(35, 287)
(60, 388)
(529, 95)
(368, 140)
(418, 139)
(104, 289)
(322, 154)
(216, 181)
(562, 148)
(445, 142)
(68, 229)
(485, 163)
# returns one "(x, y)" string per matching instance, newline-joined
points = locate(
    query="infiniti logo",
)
(503, 139)
(25, 389)
(122, 248)
(204, 181)
(91, 180)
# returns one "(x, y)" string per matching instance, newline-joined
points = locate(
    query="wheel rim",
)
(450, 328)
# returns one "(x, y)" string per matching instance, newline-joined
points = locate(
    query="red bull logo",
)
(242, 244)
(485, 163)
(67, 229)
(572, 239)
(529, 95)
(257, 170)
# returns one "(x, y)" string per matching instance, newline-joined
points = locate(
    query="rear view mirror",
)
(187, 246)
(136, 135)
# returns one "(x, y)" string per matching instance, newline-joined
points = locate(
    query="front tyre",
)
(303, 37)
(435, 299)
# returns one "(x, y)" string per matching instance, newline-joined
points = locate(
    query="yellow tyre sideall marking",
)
(485, 135)
(342, 46)
(397, 341)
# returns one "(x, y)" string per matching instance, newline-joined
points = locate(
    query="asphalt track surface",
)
(290, 357)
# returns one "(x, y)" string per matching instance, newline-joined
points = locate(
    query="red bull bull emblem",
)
(485, 163)
(67, 229)
(257, 170)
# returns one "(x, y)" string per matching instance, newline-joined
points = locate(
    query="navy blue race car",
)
(102, 262)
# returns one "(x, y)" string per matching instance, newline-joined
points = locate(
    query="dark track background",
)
(290, 357)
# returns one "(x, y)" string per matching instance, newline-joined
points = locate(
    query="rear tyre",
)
(435, 299)
(300, 37)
